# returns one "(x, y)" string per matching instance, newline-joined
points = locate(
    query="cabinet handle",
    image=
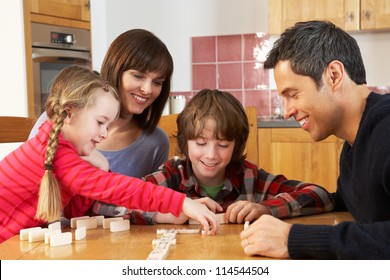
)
(367, 14)
(350, 16)
(88, 5)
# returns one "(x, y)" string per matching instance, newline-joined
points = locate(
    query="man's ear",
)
(335, 74)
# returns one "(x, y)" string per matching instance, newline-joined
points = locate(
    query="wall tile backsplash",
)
(233, 63)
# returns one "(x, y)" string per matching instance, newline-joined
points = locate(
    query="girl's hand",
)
(198, 211)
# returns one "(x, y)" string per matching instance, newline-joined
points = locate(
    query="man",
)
(320, 74)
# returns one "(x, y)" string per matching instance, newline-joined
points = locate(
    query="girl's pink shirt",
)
(81, 184)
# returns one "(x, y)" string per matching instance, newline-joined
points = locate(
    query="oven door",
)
(47, 63)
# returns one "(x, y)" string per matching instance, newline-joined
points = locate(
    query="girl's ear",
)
(69, 111)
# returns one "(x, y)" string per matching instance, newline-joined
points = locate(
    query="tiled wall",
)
(233, 63)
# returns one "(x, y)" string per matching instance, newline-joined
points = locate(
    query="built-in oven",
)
(54, 48)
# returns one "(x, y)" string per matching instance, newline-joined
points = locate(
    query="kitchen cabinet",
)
(350, 15)
(66, 13)
(70, 13)
(291, 152)
(375, 14)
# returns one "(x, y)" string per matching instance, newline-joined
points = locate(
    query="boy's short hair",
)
(225, 109)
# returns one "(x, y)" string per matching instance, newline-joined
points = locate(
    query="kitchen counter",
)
(269, 122)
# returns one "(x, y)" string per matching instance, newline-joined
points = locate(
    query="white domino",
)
(73, 221)
(61, 239)
(99, 220)
(246, 225)
(166, 230)
(116, 226)
(88, 223)
(106, 222)
(155, 242)
(162, 244)
(54, 226)
(80, 233)
(50, 233)
(24, 232)
(188, 230)
(158, 254)
(37, 235)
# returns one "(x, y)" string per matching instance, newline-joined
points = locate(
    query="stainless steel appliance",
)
(54, 48)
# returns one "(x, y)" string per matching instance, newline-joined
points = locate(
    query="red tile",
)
(260, 99)
(229, 48)
(255, 76)
(203, 49)
(204, 76)
(230, 76)
(256, 46)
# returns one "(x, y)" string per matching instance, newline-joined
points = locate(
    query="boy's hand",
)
(211, 204)
(244, 210)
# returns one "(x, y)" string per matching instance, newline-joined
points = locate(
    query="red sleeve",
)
(77, 176)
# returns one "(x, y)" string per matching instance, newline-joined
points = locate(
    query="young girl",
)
(212, 133)
(46, 175)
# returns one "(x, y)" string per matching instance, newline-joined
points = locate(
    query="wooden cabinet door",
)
(375, 14)
(285, 13)
(69, 9)
(291, 152)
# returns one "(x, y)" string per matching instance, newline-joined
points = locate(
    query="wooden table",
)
(136, 244)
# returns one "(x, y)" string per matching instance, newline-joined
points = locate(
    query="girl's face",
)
(87, 127)
(139, 90)
(210, 156)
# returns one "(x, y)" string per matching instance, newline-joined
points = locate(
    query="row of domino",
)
(167, 239)
(54, 236)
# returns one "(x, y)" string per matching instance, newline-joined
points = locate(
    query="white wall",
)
(174, 22)
(13, 89)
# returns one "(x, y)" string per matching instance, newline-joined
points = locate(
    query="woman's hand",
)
(168, 218)
(97, 159)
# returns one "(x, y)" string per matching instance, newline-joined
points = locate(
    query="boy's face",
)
(210, 156)
(85, 128)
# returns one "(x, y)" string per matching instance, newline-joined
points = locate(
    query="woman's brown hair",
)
(140, 50)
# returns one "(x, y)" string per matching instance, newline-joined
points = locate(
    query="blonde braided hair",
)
(74, 86)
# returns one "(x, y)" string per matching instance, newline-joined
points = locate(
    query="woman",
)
(140, 66)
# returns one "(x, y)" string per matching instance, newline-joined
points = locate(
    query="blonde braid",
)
(49, 203)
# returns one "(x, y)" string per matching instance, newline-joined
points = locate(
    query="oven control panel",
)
(61, 38)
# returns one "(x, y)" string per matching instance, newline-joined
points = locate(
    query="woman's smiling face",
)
(139, 90)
